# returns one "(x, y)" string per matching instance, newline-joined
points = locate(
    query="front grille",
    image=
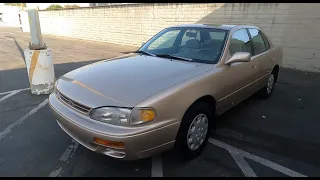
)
(73, 104)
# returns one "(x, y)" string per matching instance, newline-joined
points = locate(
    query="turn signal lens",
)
(142, 115)
(112, 144)
(147, 115)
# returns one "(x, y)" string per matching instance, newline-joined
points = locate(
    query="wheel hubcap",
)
(270, 83)
(197, 131)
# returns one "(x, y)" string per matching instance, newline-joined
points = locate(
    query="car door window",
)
(266, 42)
(240, 42)
(259, 44)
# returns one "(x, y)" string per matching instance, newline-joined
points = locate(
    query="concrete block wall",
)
(293, 26)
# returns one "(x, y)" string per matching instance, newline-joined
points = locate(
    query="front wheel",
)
(194, 131)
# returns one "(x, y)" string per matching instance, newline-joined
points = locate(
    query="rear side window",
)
(260, 44)
(265, 41)
(240, 42)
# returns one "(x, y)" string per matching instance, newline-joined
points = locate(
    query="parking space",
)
(256, 138)
(274, 137)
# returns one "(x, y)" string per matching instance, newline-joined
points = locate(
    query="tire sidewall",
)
(264, 91)
(274, 78)
(181, 141)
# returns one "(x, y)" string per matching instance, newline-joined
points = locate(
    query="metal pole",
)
(35, 31)
(38, 58)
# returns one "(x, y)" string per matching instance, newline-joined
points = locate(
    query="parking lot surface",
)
(274, 137)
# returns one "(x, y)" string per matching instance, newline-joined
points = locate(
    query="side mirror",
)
(143, 44)
(239, 57)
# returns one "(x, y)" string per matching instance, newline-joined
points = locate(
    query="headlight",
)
(123, 116)
(116, 116)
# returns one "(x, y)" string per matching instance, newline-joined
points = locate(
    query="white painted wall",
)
(294, 26)
(25, 21)
(43, 6)
(10, 16)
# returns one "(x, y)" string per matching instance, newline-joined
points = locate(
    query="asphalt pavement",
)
(274, 137)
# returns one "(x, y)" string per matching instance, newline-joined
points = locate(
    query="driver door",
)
(238, 78)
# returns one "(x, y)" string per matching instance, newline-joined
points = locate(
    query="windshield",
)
(203, 45)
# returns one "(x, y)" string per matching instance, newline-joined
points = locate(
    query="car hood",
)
(125, 81)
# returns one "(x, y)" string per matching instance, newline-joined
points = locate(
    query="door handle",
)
(254, 66)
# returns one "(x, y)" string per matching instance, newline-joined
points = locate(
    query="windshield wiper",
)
(174, 57)
(144, 52)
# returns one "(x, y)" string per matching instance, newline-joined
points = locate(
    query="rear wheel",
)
(194, 131)
(266, 91)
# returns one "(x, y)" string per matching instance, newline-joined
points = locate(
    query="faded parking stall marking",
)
(14, 91)
(242, 163)
(20, 120)
(68, 153)
(11, 93)
(244, 167)
(156, 167)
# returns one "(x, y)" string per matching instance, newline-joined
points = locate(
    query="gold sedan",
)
(165, 94)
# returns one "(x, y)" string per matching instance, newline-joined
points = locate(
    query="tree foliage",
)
(16, 4)
(71, 6)
(54, 6)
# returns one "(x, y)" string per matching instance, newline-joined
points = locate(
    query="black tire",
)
(181, 145)
(265, 93)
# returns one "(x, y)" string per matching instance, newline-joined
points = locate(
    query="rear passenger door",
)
(262, 54)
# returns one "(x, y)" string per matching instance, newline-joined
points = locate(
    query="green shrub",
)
(54, 6)
(15, 4)
(71, 6)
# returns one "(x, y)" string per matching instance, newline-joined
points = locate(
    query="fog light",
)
(112, 144)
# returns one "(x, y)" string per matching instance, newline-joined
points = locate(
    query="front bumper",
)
(139, 142)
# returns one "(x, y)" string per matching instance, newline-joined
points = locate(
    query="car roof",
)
(215, 26)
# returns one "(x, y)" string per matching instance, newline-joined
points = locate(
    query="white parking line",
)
(243, 164)
(156, 169)
(272, 165)
(20, 120)
(14, 90)
(56, 172)
(9, 95)
(260, 160)
(68, 153)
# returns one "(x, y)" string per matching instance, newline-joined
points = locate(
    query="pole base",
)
(37, 47)
(40, 70)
